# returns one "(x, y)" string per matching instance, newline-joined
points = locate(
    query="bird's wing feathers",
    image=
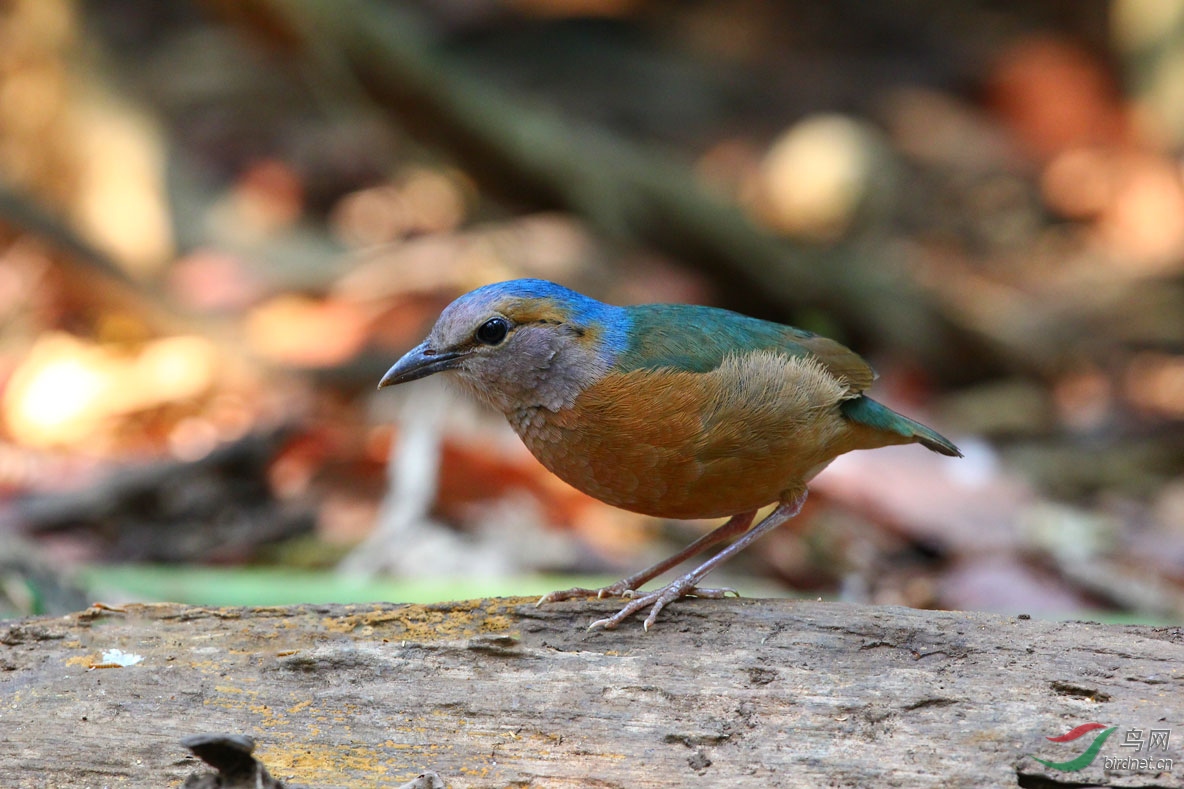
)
(842, 362)
(697, 339)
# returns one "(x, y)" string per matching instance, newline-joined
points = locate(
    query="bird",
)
(671, 410)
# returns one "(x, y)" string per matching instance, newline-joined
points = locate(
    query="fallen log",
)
(500, 693)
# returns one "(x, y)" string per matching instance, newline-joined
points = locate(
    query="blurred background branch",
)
(634, 193)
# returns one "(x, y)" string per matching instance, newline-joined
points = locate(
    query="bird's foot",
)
(659, 599)
(621, 588)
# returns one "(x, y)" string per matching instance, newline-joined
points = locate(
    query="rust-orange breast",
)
(696, 445)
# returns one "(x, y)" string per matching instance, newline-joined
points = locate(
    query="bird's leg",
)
(686, 585)
(626, 586)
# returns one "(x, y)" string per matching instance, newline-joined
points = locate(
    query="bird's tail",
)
(867, 412)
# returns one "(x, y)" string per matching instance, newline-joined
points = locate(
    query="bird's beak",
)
(420, 362)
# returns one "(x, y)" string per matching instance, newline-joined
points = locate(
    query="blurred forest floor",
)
(221, 221)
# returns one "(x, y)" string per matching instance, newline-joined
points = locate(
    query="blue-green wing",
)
(696, 339)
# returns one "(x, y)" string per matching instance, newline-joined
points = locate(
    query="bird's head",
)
(519, 344)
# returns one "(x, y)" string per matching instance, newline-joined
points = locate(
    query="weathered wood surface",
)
(494, 693)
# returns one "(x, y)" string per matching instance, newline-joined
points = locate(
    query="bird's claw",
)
(619, 589)
(659, 598)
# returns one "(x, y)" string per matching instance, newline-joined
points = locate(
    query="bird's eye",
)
(493, 331)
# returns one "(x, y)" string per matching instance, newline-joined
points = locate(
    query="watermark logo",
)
(1134, 738)
(1087, 757)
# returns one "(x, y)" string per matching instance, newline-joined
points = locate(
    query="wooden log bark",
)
(493, 693)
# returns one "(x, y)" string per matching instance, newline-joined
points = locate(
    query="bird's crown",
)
(490, 314)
